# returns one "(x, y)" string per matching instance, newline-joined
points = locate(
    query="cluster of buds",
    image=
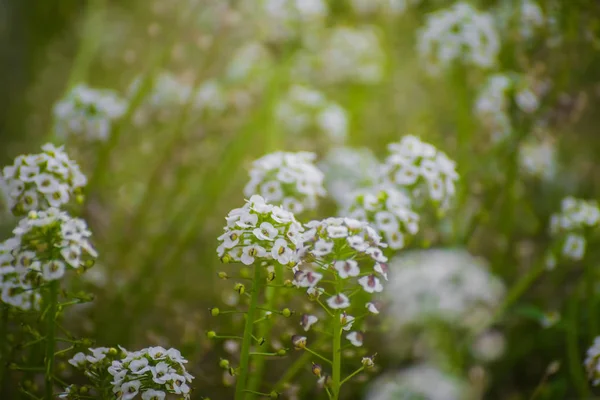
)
(45, 244)
(387, 210)
(576, 219)
(289, 179)
(39, 181)
(260, 232)
(426, 173)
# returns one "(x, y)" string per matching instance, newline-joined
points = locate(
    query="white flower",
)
(336, 232)
(281, 252)
(347, 268)
(339, 301)
(139, 366)
(307, 321)
(130, 389)
(574, 247)
(78, 360)
(152, 394)
(53, 270)
(372, 308)
(356, 338)
(88, 113)
(347, 321)
(289, 179)
(249, 253)
(307, 279)
(266, 231)
(370, 284)
(322, 248)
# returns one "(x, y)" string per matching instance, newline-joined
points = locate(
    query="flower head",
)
(422, 171)
(288, 179)
(88, 112)
(260, 232)
(40, 181)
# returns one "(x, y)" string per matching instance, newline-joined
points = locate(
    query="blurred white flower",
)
(447, 285)
(88, 113)
(592, 362)
(537, 158)
(488, 346)
(420, 381)
(393, 7)
(461, 34)
(305, 110)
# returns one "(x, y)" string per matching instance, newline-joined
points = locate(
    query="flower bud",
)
(317, 369)
(211, 334)
(224, 363)
(288, 283)
(281, 352)
(214, 311)
(223, 275)
(240, 288)
(113, 352)
(286, 312)
(368, 362)
(271, 276)
(299, 342)
(273, 395)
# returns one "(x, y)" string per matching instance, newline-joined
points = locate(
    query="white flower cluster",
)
(592, 362)
(289, 179)
(303, 110)
(280, 20)
(260, 232)
(570, 227)
(531, 18)
(419, 382)
(459, 33)
(423, 171)
(347, 170)
(493, 103)
(45, 244)
(353, 54)
(40, 181)
(339, 246)
(387, 210)
(441, 285)
(153, 372)
(537, 158)
(88, 112)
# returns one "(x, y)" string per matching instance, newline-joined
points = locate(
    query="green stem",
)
(590, 288)
(573, 353)
(4, 349)
(352, 375)
(337, 356)
(240, 386)
(271, 295)
(50, 342)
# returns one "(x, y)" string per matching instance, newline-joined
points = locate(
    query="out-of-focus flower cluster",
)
(570, 227)
(459, 34)
(45, 244)
(305, 110)
(347, 170)
(537, 158)
(419, 382)
(289, 179)
(260, 232)
(387, 210)
(421, 170)
(592, 362)
(88, 112)
(441, 285)
(39, 181)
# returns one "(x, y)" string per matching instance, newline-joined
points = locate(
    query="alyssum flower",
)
(422, 171)
(40, 181)
(287, 179)
(260, 232)
(387, 210)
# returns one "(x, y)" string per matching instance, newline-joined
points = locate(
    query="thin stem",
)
(50, 342)
(4, 349)
(590, 288)
(314, 353)
(247, 341)
(358, 371)
(271, 296)
(337, 356)
(573, 354)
